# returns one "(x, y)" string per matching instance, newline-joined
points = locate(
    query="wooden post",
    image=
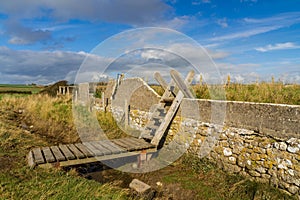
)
(126, 113)
(63, 90)
(103, 100)
(67, 90)
(76, 95)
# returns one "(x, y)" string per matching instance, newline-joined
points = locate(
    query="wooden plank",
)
(161, 80)
(76, 151)
(123, 144)
(137, 145)
(91, 148)
(112, 147)
(68, 154)
(30, 160)
(143, 142)
(140, 143)
(57, 154)
(167, 100)
(171, 112)
(131, 146)
(84, 150)
(97, 144)
(181, 84)
(38, 156)
(160, 112)
(48, 155)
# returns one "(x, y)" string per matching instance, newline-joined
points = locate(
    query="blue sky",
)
(43, 41)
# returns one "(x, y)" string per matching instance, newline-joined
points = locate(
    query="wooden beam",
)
(160, 80)
(181, 84)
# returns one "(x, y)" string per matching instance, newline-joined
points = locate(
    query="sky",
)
(44, 41)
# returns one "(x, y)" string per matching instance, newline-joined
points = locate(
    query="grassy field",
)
(38, 120)
(261, 92)
(18, 90)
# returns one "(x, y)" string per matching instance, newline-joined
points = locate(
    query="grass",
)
(38, 120)
(275, 92)
(24, 183)
(17, 181)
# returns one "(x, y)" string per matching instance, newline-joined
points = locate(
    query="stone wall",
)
(257, 156)
(276, 120)
(257, 140)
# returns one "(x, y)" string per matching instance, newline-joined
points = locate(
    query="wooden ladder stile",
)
(183, 91)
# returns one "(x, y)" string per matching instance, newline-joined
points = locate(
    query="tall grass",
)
(274, 92)
(50, 117)
(51, 122)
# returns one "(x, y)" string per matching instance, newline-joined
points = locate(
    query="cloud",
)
(175, 23)
(23, 35)
(251, 1)
(247, 33)
(253, 27)
(43, 67)
(198, 2)
(134, 12)
(222, 22)
(278, 46)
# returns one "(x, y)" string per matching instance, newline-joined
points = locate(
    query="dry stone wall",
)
(257, 140)
(257, 156)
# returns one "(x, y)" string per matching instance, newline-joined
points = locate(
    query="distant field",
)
(19, 90)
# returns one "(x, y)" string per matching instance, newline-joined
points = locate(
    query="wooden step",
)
(167, 100)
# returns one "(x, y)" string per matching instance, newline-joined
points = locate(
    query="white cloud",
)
(222, 22)
(247, 33)
(278, 46)
(253, 1)
(175, 23)
(253, 27)
(198, 2)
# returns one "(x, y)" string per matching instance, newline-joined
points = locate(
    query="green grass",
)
(23, 183)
